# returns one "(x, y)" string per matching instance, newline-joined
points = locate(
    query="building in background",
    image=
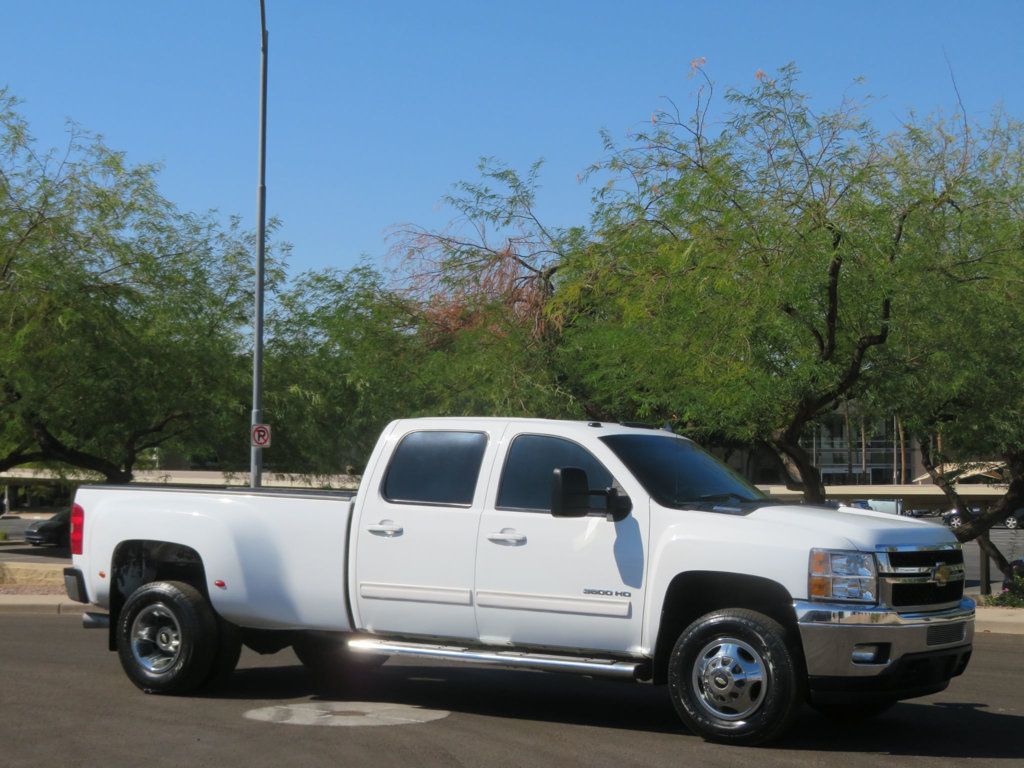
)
(847, 450)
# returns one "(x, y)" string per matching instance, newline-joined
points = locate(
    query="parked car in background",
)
(954, 519)
(919, 512)
(55, 531)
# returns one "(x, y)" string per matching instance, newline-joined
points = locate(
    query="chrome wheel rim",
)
(156, 638)
(1012, 522)
(730, 679)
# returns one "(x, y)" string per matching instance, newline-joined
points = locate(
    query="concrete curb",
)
(41, 604)
(1005, 621)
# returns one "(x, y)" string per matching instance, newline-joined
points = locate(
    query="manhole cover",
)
(345, 713)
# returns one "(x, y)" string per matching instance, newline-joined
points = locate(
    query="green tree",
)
(958, 383)
(343, 359)
(746, 283)
(482, 288)
(120, 319)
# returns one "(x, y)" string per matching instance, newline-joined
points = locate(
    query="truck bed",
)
(273, 558)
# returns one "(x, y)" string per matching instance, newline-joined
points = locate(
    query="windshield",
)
(676, 473)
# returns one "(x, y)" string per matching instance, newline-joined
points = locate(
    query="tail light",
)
(77, 528)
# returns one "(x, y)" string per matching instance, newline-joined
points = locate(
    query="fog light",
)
(870, 653)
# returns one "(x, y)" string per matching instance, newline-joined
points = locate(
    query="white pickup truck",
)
(594, 548)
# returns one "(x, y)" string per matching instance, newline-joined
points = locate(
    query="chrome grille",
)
(921, 579)
(924, 558)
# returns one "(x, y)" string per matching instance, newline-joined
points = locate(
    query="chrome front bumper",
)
(831, 632)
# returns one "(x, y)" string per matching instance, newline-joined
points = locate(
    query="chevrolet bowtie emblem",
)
(941, 573)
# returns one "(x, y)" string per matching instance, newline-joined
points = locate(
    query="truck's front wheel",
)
(167, 637)
(733, 677)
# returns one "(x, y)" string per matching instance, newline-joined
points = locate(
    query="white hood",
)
(865, 529)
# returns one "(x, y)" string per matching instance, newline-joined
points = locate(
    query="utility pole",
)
(256, 456)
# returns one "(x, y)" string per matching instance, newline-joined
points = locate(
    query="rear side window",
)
(435, 468)
(531, 462)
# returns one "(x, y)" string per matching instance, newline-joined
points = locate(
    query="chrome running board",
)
(623, 670)
(95, 620)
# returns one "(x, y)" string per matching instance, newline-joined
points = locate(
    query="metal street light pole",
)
(256, 457)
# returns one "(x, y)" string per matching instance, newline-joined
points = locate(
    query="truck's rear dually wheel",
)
(167, 637)
(733, 677)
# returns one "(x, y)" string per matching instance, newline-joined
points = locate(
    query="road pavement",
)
(65, 701)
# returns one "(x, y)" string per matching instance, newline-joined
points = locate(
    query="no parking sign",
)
(261, 435)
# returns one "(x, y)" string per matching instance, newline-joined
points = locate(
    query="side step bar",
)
(622, 670)
(95, 620)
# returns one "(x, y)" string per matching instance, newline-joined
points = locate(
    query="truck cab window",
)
(435, 468)
(532, 459)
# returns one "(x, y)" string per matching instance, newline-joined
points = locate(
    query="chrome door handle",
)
(507, 536)
(385, 528)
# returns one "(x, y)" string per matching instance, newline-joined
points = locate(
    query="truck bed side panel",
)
(282, 559)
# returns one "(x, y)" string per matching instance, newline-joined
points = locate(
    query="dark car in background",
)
(954, 519)
(56, 531)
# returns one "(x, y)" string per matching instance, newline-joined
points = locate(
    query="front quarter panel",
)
(692, 540)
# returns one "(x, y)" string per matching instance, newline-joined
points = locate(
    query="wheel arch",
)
(692, 594)
(141, 561)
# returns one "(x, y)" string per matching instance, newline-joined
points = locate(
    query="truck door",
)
(415, 538)
(559, 582)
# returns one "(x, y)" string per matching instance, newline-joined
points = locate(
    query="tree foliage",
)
(960, 384)
(119, 314)
(343, 359)
(749, 281)
(752, 265)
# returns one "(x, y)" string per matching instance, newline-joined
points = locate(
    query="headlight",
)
(840, 575)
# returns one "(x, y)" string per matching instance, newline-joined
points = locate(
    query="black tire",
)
(852, 712)
(1012, 522)
(329, 660)
(229, 649)
(167, 637)
(734, 677)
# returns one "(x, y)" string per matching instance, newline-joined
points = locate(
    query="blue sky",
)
(377, 108)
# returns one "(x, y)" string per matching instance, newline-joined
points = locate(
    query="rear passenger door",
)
(415, 539)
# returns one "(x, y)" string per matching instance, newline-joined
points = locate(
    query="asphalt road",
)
(66, 702)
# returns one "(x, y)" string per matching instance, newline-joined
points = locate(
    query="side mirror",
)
(619, 505)
(570, 496)
(570, 492)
